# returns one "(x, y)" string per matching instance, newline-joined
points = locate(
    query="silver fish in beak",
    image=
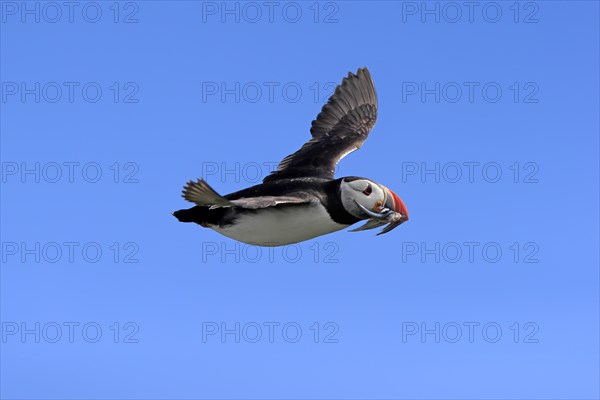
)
(393, 213)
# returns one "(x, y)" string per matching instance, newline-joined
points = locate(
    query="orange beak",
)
(393, 202)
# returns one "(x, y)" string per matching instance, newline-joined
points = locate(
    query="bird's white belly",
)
(281, 226)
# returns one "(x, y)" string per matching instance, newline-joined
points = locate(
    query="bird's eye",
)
(368, 190)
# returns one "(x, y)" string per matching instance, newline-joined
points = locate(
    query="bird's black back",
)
(327, 192)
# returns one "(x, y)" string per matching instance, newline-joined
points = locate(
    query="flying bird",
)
(302, 199)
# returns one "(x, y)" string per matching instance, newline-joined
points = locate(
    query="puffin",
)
(301, 199)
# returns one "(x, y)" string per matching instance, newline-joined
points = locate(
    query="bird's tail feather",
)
(202, 194)
(189, 215)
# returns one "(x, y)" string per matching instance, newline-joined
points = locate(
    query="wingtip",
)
(363, 71)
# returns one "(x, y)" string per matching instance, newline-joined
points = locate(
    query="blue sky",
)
(487, 128)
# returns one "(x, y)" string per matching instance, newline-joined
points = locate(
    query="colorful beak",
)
(393, 213)
(400, 214)
(393, 202)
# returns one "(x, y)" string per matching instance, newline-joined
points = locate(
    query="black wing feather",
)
(340, 128)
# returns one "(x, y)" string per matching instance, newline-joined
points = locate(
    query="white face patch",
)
(367, 193)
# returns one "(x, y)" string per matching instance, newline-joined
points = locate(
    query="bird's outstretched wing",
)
(340, 128)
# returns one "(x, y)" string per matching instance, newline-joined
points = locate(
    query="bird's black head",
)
(366, 199)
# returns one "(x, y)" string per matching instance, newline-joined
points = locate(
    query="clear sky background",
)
(488, 129)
